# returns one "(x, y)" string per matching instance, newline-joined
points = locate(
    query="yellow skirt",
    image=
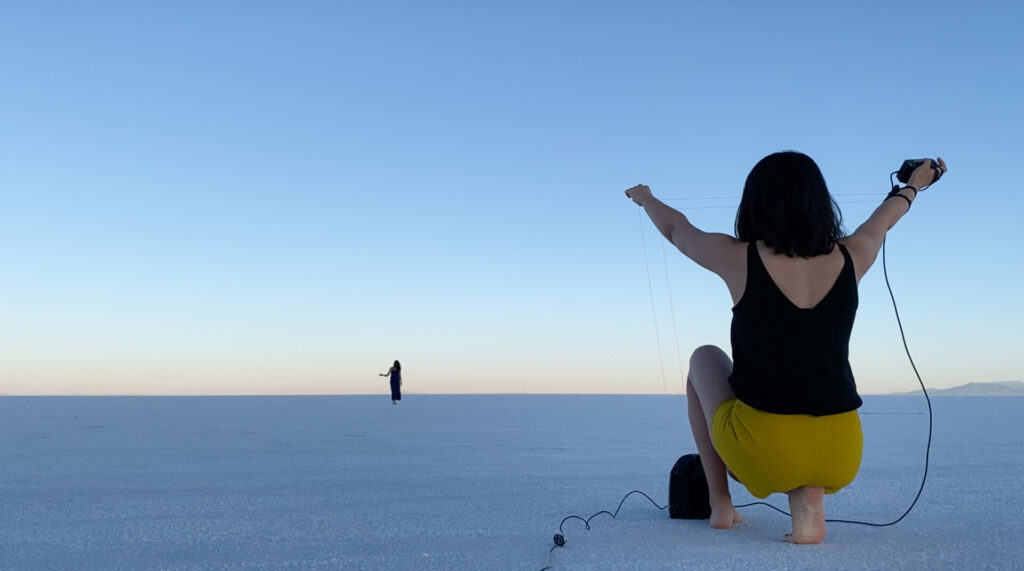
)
(771, 453)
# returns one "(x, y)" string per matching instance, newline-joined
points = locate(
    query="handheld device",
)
(909, 165)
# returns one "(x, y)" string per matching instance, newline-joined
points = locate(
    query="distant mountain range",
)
(990, 389)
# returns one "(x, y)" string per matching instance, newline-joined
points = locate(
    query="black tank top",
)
(789, 360)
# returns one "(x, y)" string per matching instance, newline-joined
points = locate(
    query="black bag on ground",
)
(688, 489)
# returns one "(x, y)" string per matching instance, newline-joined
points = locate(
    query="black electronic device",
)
(907, 168)
(688, 489)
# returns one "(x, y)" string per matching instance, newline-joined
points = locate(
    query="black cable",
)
(560, 539)
(586, 522)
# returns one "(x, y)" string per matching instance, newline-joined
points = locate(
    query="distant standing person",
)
(395, 372)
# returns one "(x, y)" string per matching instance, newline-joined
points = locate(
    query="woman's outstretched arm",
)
(720, 253)
(866, 241)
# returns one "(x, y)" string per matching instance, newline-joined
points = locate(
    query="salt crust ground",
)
(468, 482)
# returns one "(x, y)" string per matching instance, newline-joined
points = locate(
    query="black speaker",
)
(688, 489)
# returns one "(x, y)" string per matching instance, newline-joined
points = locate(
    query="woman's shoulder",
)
(860, 252)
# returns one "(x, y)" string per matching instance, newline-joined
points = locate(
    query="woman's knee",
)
(710, 368)
(706, 353)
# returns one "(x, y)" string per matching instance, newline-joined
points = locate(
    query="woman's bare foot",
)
(723, 515)
(807, 505)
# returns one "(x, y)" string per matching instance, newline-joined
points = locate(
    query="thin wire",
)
(837, 195)
(732, 207)
(672, 308)
(654, 313)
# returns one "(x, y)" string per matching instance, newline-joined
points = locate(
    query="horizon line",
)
(381, 394)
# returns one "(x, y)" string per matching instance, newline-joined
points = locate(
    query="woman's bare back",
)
(803, 281)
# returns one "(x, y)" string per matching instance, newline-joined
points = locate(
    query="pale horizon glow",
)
(285, 199)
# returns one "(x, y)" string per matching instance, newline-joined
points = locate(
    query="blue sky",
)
(270, 197)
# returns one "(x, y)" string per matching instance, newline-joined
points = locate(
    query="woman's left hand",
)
(926, 175)
(639, 193)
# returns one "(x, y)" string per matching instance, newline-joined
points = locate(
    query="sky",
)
(284, 198)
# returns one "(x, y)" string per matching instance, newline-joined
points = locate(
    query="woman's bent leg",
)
(707, 387)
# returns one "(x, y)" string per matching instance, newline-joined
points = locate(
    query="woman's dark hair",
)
(786, 203)
(398, 366)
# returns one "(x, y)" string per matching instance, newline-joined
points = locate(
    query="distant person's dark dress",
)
(396, 385)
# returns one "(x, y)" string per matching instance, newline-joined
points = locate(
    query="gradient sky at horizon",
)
(281, 198)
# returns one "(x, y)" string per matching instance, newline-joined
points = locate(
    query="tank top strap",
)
(846, 253)
(847, 263)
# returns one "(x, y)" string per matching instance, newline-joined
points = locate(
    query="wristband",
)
(896, 193)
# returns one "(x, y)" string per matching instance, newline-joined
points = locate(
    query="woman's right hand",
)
(924, 175)
(639, 193)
